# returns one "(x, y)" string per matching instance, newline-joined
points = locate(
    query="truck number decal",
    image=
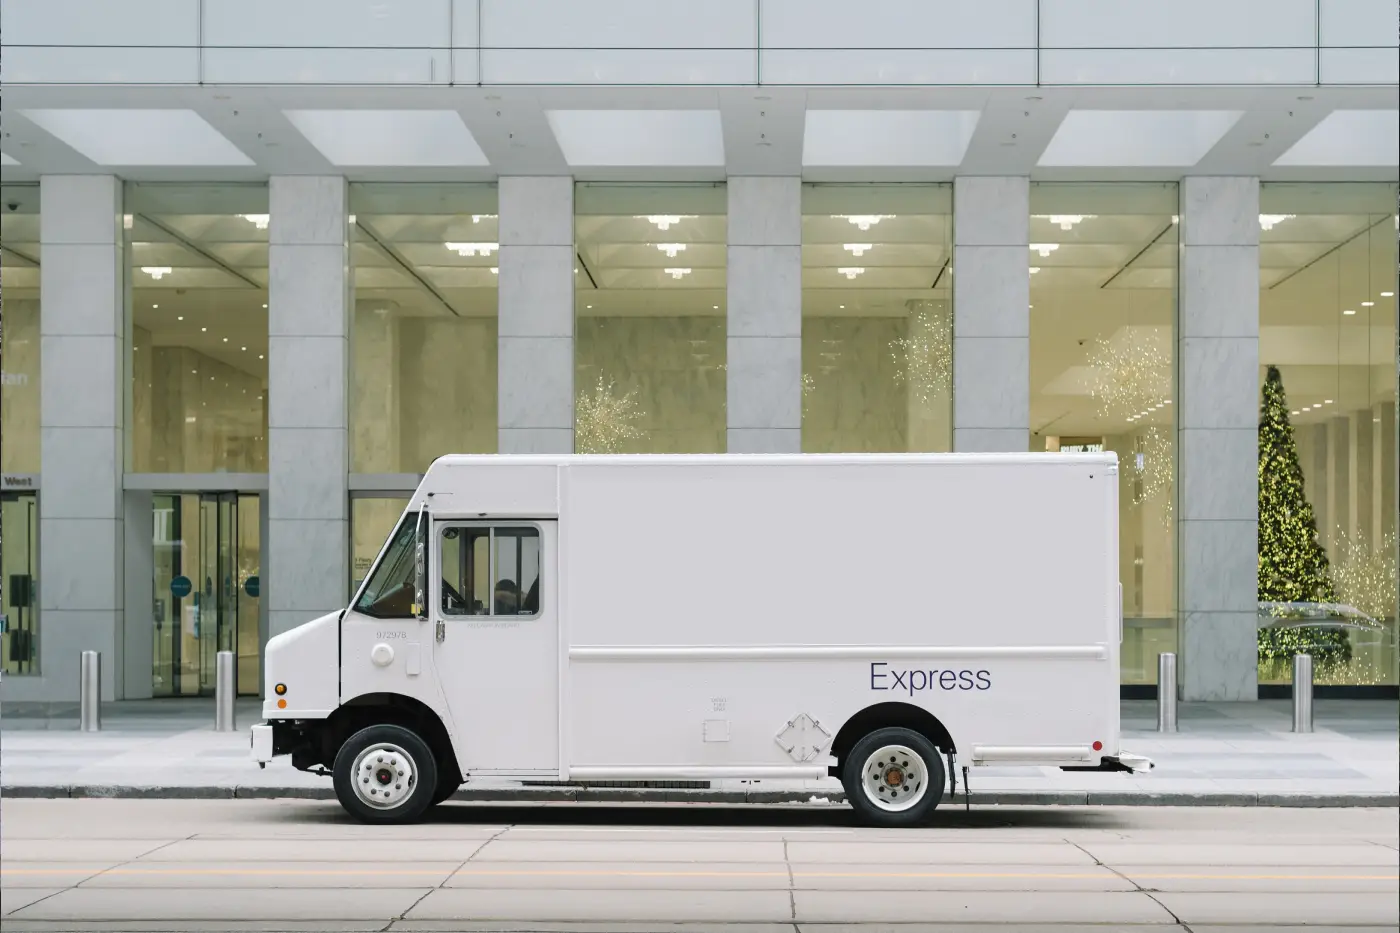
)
(882, 678)
(383, 635)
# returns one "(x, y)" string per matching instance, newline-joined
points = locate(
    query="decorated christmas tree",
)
(1292, 564)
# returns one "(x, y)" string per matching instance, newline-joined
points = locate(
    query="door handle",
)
(441, 632)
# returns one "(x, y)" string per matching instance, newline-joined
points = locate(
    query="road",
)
(289, 865)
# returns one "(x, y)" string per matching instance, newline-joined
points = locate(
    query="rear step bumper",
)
(1124, 761)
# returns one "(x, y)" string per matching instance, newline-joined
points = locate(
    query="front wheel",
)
(893, 777)
(385, 774)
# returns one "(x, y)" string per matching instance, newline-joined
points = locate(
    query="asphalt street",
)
(301, 865)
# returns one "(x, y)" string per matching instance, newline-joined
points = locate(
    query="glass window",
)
(19, 563)
(650, 321)
(19, 381)
(198, 316)
(490, 571)
(423, 342)
(390, 592)
(877, 331)
(373, 519)
(1103, 262)
(1327, 445)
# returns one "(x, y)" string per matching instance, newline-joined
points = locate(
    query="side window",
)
(490, 571)
(517, 571)
(465, 560)
(389, 594)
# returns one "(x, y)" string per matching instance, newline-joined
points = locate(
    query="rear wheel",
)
(893, 777)
(385, 774)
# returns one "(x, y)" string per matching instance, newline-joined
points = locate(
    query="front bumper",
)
(261, 741)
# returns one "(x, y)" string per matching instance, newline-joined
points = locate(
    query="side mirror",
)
(420, 566)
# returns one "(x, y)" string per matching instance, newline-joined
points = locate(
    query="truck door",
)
(496, 618)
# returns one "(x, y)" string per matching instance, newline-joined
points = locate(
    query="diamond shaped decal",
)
(803, 738)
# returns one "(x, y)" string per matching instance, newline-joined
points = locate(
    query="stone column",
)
(1383, 471)
(81, 533)
(764, 345)
(535, 338)
(991, 313)
(1360, 483)
(929, 389)
(1218, 366)
(308, 354)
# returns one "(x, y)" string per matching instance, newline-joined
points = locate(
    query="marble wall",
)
(192, 413)
(664, 375)
(853, 399)
(420, 388)
(19, 387)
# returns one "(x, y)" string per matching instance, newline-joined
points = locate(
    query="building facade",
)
(262, 262)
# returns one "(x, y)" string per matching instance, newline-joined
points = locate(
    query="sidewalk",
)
(1226, 754)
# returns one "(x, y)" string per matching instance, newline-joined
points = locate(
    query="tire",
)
(385, 760)
(874, 785)
(446, 787)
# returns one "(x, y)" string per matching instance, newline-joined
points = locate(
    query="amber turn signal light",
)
(280, 689)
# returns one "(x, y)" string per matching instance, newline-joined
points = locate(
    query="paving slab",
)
(606, 906)
(190, 903)
(1004, 907)
(1319, 879)
(1297, 909)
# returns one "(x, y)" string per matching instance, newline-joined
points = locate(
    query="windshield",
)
(389, 593)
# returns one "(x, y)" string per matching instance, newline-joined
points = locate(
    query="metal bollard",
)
(1166, 692)
(90, 692)
(1302, 693)
(225, 690)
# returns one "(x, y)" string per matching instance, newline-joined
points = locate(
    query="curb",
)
(616, 795)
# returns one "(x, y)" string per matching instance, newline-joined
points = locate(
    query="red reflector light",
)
(1098, 746)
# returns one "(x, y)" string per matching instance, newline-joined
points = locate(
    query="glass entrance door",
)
(19, 530)
(207, 550)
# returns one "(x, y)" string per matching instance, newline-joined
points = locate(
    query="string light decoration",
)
(1365, 577)
(1131, 377)
(604, 420)
(924, 359)
(1293, 566)
(1153, 471)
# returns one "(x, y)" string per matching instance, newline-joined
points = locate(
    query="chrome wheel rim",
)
(384, 776)
(895, 778)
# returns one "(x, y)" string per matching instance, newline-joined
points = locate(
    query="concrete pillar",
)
(535, 338)
(1218, 366)
(764, 381)
(1360, 482)
(306, 561)
(929, 391)
(138, 648)
(1383, 471)
(82, 344)
(991, 313)
(1339, 483)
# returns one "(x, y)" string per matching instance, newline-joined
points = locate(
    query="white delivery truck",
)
(875, 619)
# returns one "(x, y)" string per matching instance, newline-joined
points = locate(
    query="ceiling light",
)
(260, 356)
(154, 307)
(127, 221)
(677, 273)
(850, 272)
(1035, 269)
(1167, 402)
(352, 220)
(1267, 221)
(179, 317)
(1368, 304)
(1327, 401)
(495, 270)
(264, 307)
(857, 249)
(665, 221)
(1387, 294)
(1176, 218)
(671, 249)
(1066, 221)
(1296, 412)
(863, 221)
(473, 249)
(225, 341)
(478, 218)
(843, 307)
(716, 307)
(156, 272)
(244, 349)
(588, 307)
(1045, 249)
(204, 330)
(1349, 311)
(258, 220)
